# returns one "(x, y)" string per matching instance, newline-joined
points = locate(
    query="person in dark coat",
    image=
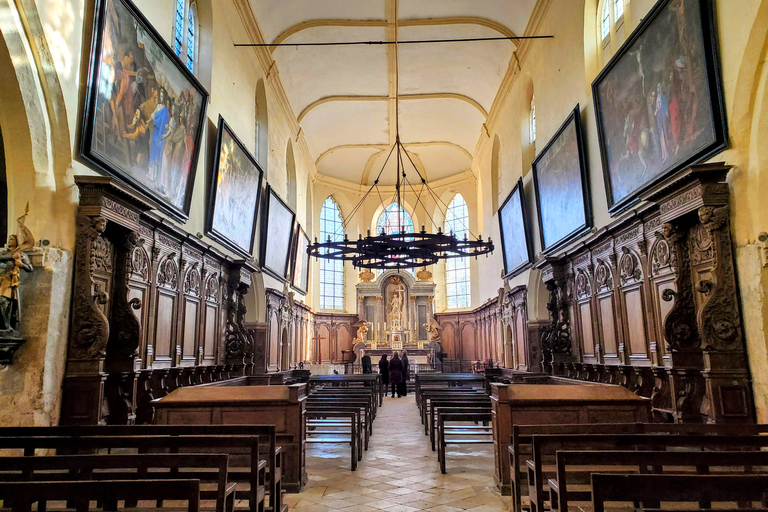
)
(406, 373)
(384, 370)
(396, 375)
(366, 362)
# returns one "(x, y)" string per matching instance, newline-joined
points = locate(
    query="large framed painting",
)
(276, 235)
(144, 111)
(300, 274)
(513, 225)
(235, 192)
(659, 101)
(561, 184)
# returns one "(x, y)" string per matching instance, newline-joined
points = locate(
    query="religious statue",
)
(12, 261)
(432, 328)
(362, 331)
(396, 311)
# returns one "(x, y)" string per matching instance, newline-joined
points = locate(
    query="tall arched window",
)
(394, 219)
(185, 32)
(532, 121)
(331, 271)
(457, 269)
(610, 23)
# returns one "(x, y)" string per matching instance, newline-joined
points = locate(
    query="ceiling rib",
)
(387, 146)
(421, 96)
(411, 22)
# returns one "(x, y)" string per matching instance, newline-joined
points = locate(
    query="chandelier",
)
(400, 250)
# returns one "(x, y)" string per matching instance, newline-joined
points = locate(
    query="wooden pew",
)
(522, 437)
(574, 468)
(351, 392)
(470, 435)
(267, 442)
(436, 404)
(532, 404)
(21, 495)
(252, 474)
(678, 488)
(313, 417)
(428, 395)
(370, 379)
(332, 404)
(548, 445)
(58, 468)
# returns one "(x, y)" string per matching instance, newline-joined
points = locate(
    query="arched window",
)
(185, 32)
(394, 219)
(610, 22)
(262, 126)
(331, 271)
(457, 269)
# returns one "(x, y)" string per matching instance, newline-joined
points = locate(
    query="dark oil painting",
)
(145, 111)
(513, 220)
(562, 195)
(235, 193)
(659, 102)
(301, 261)
(277, 235)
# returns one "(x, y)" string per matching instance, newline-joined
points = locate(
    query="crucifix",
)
(319, 353)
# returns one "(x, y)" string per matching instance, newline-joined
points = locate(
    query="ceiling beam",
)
(410, 22)
(422, 96)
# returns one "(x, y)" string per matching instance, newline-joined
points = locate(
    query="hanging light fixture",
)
(400, 250)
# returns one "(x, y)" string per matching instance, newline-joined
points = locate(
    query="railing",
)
(446, 366)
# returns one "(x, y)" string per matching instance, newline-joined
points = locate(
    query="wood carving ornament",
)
(126, 330)
(680, 328)
(90, 325)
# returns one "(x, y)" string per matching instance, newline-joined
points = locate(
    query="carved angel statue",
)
(12, 261)
(432, 328)
(362, 330)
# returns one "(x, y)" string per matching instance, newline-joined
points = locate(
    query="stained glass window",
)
(394, 219)
(185, 32)
(457, 288)
(331, 271)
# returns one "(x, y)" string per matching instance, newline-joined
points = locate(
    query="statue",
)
(396, 312)
(13, 260)
(432, 328)
(362, 331)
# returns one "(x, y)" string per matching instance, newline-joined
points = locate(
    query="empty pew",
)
(209, 469)
(574, 468)
(21, 495)
(252, 473)
(468, 435)
(333, 404)
(335, 432)
(480, 401)
(702, 489)
(267, 443)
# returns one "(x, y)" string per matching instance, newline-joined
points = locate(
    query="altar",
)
(398, 306)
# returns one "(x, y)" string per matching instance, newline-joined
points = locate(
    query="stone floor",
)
(399, 472)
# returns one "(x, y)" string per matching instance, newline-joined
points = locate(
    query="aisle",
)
(399, 472)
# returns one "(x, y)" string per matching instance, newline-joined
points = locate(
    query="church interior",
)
(526, 236)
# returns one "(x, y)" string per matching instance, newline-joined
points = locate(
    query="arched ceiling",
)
(344, 96)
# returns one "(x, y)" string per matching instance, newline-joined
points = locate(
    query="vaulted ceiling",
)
(344, 96)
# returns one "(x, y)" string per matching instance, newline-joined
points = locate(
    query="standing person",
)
(384, 371)
(406, 373)
(396, 375)
(366, 362)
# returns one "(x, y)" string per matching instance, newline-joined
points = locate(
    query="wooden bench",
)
(337, 436)
(704, 489)
(267, 442)
(469, 435)
(458, 402)
(368, 380)
(548, 445)
(350, 392)
(248, 469)
(332, 404)
(428, 395)
(574, 468)
(21, 495)
(208, 469)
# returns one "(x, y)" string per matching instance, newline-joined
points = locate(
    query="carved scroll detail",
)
(125, 334)
(680, 328)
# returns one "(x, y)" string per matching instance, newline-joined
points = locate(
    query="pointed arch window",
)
(331, 271)
(185, 32)
(457, 288)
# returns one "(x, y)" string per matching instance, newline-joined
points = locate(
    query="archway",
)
(285, 356)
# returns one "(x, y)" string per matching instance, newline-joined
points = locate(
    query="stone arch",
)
(538, 296)
(495, 173)
(527, 141)
(255, 300)
(290, 176)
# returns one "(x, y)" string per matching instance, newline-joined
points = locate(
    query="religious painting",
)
(300, 274)
(562, 193)
(144, 112)
(513, 222)
(659, 101)
(235, 192)
(277, 236)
